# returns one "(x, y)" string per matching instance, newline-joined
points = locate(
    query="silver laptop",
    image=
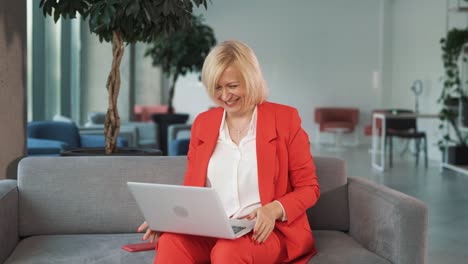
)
(186, 210)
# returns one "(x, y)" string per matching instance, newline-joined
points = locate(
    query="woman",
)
(257, 156)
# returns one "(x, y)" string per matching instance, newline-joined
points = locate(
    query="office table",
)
(378, 148)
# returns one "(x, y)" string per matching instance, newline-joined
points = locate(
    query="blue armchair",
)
(51, 137)
(41, 147)
(178, 139)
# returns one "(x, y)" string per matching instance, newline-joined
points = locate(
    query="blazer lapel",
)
(208, 136)
(266, 149)
(266, 152)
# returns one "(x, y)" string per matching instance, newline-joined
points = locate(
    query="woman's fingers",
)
(252, 215)
(262, 237)
(155, 235)
(262, 232)
(142, 227)
(263, 229)
(147, 234)
(264, 225)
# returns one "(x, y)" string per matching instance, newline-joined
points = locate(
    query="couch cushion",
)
(66, 249)
(331, 211)
(336, 247)
(71, 195)
(333, 248)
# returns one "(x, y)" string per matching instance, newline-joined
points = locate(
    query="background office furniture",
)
(368, 128)
(178, 139)
(405, 128)
(143, 112)
(79, 210)
(164, 121)
(160, 116)
(338, 121)
(67, 134)
(138, 134)
(147, 134)
(127, 133)
(379, 142)
(41, 147)
(95, 119)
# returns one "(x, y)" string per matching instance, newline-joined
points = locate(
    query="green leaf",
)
(56, 15)
(133, 9)
(107, 15)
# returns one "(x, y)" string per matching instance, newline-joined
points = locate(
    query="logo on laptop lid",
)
(180, 211)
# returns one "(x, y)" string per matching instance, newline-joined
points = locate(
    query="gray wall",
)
(12, 85)
(313, 53)
(148, 79)
(363, 53)
(417, 27)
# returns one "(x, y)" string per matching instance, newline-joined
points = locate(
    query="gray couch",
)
(78, 210)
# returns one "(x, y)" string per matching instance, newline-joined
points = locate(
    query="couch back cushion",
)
(74, 195)
(331, 211)
(71, 195)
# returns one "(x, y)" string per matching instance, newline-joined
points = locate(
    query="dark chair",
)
(404, 128)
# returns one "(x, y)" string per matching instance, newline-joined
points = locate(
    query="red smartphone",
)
(139, 247)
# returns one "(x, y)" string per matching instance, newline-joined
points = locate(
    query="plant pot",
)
(164, 121)
(120, 152)
(457, 155)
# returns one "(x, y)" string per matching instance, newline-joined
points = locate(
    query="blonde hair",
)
(238, 54)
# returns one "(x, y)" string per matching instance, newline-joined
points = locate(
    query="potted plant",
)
(181, 53)
(453, 96)
(119, 22)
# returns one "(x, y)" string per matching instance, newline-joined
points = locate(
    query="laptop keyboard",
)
(237, 229)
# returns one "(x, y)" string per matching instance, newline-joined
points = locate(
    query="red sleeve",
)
(305, 189)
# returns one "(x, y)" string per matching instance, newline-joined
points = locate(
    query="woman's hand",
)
(266, 218)
(149, 233)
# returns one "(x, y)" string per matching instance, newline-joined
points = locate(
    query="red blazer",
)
(286, 171)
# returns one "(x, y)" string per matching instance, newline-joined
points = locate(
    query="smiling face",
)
(230, 92)
(233, 78)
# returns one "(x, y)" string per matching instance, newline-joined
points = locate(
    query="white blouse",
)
(232, 171)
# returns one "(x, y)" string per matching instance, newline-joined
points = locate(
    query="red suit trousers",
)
(179, 248)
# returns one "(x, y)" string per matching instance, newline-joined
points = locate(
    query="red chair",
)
(338, 121)
(143, 112)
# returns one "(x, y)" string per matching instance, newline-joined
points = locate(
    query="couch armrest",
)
(387, 222)
(8, 218)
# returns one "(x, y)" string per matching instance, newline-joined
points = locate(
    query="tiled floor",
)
(444, 192)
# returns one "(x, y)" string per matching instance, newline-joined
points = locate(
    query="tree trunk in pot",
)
(170, 109)
(112, 122)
